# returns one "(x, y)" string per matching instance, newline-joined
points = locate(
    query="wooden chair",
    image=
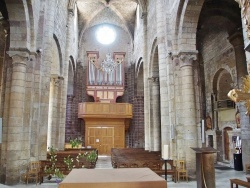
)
(181, 170)
(33, 171)
(247, 168)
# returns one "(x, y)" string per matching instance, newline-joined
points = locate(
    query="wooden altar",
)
(113, 178)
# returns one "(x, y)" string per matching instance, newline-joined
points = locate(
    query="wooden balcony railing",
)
(104, 110)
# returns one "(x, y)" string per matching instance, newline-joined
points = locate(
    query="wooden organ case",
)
(105, 120)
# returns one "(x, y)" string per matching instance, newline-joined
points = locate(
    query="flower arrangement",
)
(69, 162)
(91, 157)
(75, 142)
(79, 156)
(53, 170)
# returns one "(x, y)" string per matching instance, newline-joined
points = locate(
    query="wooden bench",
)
(140, 158)
(239, 182)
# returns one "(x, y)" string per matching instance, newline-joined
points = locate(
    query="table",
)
(113, 178)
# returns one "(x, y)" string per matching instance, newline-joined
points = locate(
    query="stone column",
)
(237, 41)
(44, 77)
(18, 147)
(188, 109)
(163, 77)
(53, 120)
(156, 115)
(146, 85)
(150, 117)
(241, 68)
(64, 79)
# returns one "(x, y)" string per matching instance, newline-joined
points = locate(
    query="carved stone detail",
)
(245, 10)
(57, 80)
(187, 59)
(154, 79)
(71, 6)
(18, 58)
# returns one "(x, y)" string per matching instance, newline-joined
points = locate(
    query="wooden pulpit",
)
(205, 172)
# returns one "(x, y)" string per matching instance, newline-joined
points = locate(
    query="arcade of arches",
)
(170, 66)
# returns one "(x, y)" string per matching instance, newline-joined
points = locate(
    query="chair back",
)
(34, 166)
(181, 164)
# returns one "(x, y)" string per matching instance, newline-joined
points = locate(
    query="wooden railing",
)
(104, 110)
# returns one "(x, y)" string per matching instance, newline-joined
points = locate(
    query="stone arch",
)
(57, 54)
(152, 56)
(188, 23)
(143, 6)
(154, 102)
(23, 24)
(139, 84)
(71, 76)
(54, 94)
(32, 26)
(138, 65)
(222, 78)
(176, 20)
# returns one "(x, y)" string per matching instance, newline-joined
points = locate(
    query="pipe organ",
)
(105, 79)
(105, 120)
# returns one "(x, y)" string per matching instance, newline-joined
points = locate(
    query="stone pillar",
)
(146, 85)
(156, 115)
(241, 68)
(237, 41)
(188, 109)
(44, 77)
(163, 77)
(64, 79)
(18, 147)
(53, 120)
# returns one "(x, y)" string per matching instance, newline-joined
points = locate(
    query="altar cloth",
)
(113, 178)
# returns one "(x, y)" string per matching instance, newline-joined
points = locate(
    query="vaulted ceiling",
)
(118, 12)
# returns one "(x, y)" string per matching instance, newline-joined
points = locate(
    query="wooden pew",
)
(139, 158)
(238, 182)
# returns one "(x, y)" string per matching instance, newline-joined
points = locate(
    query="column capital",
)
(18, 57)
(57, 80)
(71, 7)
(154, 79)
(187, 58)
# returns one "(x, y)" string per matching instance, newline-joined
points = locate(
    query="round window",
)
(105, 34)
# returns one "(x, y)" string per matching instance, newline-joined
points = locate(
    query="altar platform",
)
(113, 178)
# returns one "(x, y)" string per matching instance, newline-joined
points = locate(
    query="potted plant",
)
(52, 170)
(91, 159)
(75, 143)
(59, 175)
(69, 162)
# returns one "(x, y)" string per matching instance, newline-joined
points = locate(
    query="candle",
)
(202, 131)
(165, 152)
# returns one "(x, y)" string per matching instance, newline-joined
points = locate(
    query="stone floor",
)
(222, 176)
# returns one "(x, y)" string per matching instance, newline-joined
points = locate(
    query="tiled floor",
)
(222, 177)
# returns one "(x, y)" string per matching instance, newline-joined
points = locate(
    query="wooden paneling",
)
(105, 134)
(104, 110)
(105, 124)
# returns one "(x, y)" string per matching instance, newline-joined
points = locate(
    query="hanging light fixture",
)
(108, 65)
